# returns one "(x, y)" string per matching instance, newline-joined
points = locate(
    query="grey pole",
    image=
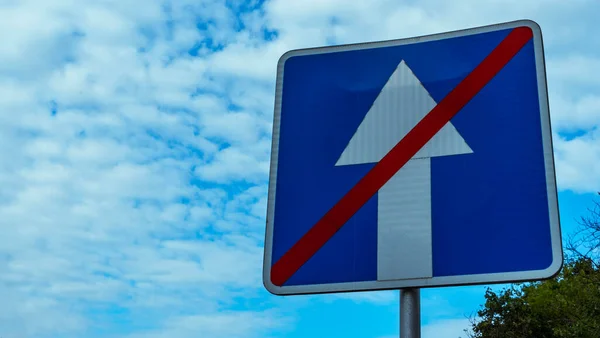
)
(410, 313)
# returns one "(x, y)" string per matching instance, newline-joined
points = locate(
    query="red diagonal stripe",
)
(402, 152)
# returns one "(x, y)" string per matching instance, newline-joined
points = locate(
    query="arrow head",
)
(400, 105)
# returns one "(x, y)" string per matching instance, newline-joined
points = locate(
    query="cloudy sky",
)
(135, 140)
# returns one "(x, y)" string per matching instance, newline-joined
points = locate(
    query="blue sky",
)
(135, 152)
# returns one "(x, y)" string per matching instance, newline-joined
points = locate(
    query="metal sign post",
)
(410, 313)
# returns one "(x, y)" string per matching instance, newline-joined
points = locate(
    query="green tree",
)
(567, 305)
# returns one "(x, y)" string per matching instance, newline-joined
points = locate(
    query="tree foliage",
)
(567, 305)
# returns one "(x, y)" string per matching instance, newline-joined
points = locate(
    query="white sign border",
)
(490, 278)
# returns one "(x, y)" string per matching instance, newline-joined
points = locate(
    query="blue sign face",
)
(413, 163)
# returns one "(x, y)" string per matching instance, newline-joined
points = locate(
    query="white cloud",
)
(97, 206)
(146, 189)
(232, 164)
(575, 69)
(374, 297)
(237, 324)
(578, 162)
(575, 114)
(446, 328)
(573, 92)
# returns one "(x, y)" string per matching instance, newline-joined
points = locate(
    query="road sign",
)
(413, 163)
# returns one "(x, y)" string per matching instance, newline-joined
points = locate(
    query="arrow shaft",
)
(404, 223)
(397, 157)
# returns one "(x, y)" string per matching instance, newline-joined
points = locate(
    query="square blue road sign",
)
(419, 162)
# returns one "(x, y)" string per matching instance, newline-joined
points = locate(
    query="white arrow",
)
(404, 249)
